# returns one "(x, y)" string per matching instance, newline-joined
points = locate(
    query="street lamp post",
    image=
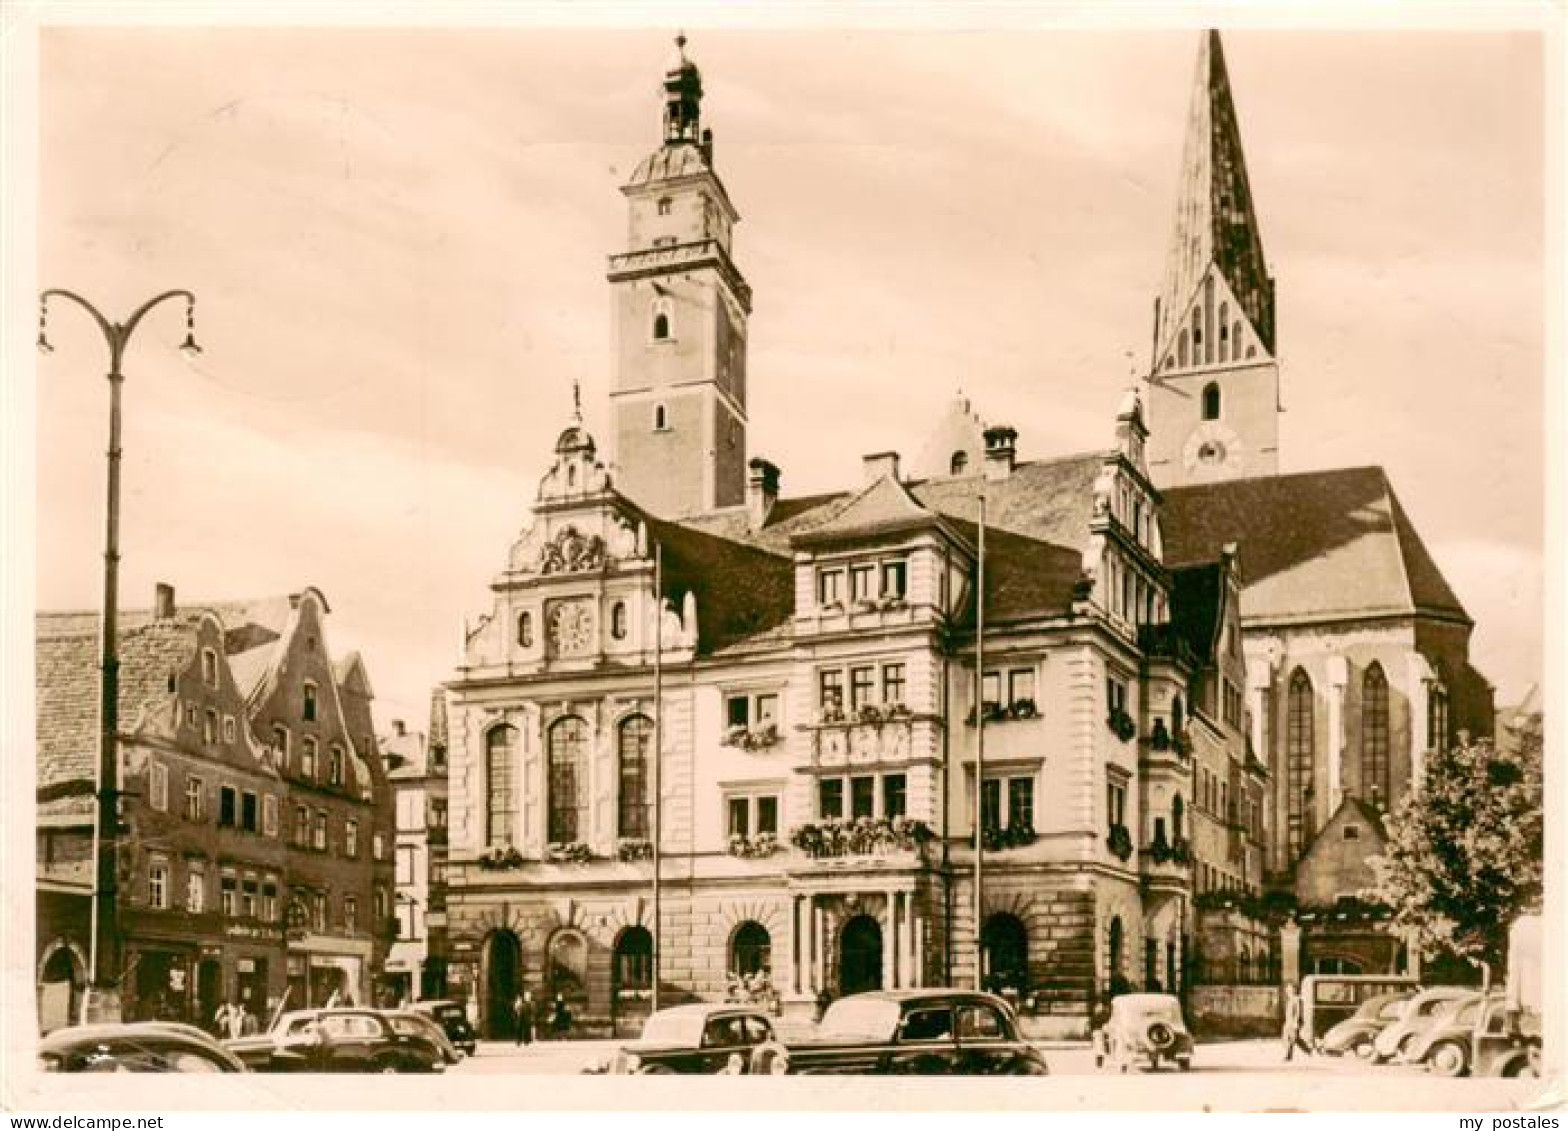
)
(105, 928)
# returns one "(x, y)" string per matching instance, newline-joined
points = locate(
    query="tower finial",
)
(680, 42)
(577, 401)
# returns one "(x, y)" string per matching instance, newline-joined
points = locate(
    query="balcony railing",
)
(860, 837)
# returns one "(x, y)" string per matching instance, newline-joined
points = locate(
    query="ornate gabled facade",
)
(226, 894)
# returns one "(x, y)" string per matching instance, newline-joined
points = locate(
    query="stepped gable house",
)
(251, 797)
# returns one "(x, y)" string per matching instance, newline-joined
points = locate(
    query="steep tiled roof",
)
(741, 590)
(1318, 545)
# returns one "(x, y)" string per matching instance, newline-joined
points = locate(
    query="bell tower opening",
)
(679, 309)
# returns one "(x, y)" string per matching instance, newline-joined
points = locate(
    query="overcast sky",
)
(399, 239)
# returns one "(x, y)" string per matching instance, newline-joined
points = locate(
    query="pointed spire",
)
(577, 401)
(1215, 233)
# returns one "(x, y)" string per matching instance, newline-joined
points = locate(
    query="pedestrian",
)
(560, 1018)
(220, 1020)
(1099, 1036)
(523, 1017)
(1291, 1033)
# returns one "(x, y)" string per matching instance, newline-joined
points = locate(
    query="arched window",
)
(661, 319)
(1374, 736)
(525, 630)
(661, 419)
(636, 739)
(501, 784)
(1178, 816)
(751, 949)
(1437, 718)
(618, 620)
(633, 968)
(1224, 331)
(958, 463)
(1211, 401)
(568, 754)
(1298, 763)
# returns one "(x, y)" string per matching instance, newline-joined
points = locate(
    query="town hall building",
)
(1191, 664)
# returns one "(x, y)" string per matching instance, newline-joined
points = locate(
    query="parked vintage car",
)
(421, 1026)
(1355, 1034)
(1443, 1043)
(148, 1046)
(1147, 1027)
(706, 1039)
(453, 1018)
(1413, 1015)
(925, 1032)
(336, 1040)
(1507, 1042)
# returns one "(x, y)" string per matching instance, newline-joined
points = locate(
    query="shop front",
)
(324, 970)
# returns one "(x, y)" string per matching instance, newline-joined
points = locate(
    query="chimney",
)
(1001, 451)
(762, 491)
(879, 464)
(399, 729)
(163, 601)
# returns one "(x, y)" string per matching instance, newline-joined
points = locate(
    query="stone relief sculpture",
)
(572, 552)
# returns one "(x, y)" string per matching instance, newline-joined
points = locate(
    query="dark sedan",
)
(336, 1040)
(703, 1039)
(138, 1047)
(909, 1032)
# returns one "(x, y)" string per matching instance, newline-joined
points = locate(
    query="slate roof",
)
(1037, 527)
(1315, 546)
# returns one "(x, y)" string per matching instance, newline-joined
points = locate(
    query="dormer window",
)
(1211, 401)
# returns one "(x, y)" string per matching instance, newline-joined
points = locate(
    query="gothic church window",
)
(1298, 763)
(501, 780)
(1374, 735)
(1437, 718)
(1211, 401)
(1224, 331)
(568, 749)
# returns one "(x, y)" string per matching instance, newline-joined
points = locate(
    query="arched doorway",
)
(503, 982)
(1004, 949)
(860, 956)
(631, 980)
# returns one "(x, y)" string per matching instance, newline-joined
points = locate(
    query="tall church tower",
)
(1214, 384)
(678, 391)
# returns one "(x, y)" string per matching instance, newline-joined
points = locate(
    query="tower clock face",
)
(1211, 449)
(571, 628)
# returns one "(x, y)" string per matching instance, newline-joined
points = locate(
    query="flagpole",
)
(980, 749)
(658, 757)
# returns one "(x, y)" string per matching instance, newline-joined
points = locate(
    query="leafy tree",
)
(1464, 852)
